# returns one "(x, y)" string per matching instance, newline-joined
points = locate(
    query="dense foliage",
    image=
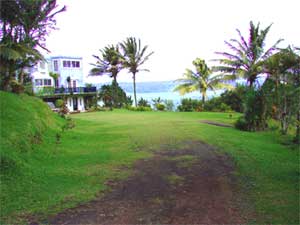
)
(114, 96)
(201, 80)
(24, 27)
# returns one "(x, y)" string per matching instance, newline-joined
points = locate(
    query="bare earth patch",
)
(215, 123)
(194, 185)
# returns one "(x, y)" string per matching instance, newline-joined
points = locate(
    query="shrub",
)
(16, 87)
(225, 108)
(28, 89)
(169, 105)
(143, 103)
(59, 103)
(160, 107)
(234, 98)
(241, 124)
(63, 110)
(190, 105)
(113, 95)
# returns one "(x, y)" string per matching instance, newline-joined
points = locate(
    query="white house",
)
(68, 86)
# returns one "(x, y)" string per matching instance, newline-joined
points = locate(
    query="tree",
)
(55, 77)
(247, 58)
(24, 25)
(108, 63)
(110, 98)
(201, 80)
(134, 56)
(283, 69)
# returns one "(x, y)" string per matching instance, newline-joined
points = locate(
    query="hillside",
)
(25, 122)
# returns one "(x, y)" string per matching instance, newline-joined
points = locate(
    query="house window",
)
(42, 65)
(47, 82)
(55, 65)
(66, 63)
(74, 83)
(56, 82)
(70, 101)
(80, 101)
(38, 82)
(73, 64)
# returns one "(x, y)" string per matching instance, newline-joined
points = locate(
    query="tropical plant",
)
(113, 95)
(157, 102)
(24, 25)
(133, 57)
(55, 77)
(283, 69)
(189, 105)
(247, 58)
(143, 102)
(108, 63)
(169, 103)
(200, 80)
(234, 98)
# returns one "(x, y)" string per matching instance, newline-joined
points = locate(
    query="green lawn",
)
(103, 144)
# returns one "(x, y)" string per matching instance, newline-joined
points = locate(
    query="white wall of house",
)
(73, 100)
(68, 67)
(40, 76)
(65, 66)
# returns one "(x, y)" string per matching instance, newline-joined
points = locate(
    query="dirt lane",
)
(194, 185)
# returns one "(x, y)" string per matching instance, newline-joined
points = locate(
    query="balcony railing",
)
(50, 91)
(77, 90)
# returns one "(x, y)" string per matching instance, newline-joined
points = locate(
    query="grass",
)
(58, 176)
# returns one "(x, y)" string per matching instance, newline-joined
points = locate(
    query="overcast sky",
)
(177, 31)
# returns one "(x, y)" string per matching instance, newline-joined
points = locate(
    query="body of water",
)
(162, 89)
(174, 96)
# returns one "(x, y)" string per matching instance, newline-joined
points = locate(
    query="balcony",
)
(77, 90)
(51, 91)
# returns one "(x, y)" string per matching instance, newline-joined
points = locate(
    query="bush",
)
(241, 124)
(160, 107)
(16, 87)
(190, 105)
(143, 103)
(59, 103)
(113, 95)
(234, 98)
(225, 108)
(63, 110)
(28, 89)
(169, 105)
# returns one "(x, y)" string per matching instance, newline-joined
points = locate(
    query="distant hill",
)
(153, 86)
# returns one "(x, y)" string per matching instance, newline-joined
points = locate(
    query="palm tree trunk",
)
(134, 89)
(115, 79)
(203, 98)
(114, 86)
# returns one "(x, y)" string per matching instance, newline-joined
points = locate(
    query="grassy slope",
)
(75, 170)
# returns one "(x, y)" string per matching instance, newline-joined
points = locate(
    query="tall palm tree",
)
(283, 68)
(133, 58)
(108, 63)
(247, 57)
(201, 80)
